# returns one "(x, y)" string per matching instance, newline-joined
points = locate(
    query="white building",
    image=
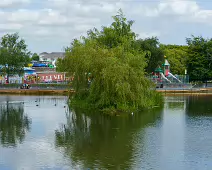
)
(51, 56)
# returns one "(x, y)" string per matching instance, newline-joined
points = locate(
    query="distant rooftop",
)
(43, 53)
(53, 54)
(44, 69)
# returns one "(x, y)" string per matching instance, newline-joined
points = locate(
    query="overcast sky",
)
(50, 25)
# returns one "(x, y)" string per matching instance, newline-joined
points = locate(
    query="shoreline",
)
(35, 91)
(202, 91)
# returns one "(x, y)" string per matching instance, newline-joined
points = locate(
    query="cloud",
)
(88, 7)
(188, 11)
(10, 27)
(23, 16)
(13, 3)
(179, 8)
(144, 35)
(59, 21)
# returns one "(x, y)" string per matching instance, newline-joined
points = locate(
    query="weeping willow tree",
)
(108, 70)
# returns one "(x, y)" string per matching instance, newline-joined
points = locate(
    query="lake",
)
(42, 132)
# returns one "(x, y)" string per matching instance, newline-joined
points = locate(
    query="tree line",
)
(14, 55)
(110, 65)
(195, 57)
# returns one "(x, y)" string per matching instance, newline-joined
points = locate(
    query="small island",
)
(108, 69)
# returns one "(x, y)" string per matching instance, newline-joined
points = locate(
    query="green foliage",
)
(35, 57)
(107, 71)
(177, 56)
(13, 54)
(154, 54)
(118, 33)
(200, 58)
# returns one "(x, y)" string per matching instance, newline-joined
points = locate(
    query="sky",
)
(51, 25)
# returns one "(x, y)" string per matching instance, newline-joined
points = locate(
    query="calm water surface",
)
(38, 132)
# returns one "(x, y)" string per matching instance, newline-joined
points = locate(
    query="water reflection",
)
(198, 130)
(175, 102)
(172, 136)
(178, 137)
(199, 106)
(14, 124)
(101, 141)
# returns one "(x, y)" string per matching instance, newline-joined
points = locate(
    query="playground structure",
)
(163, 78)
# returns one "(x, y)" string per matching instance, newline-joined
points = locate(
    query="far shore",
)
(36, 91)
(201, 91)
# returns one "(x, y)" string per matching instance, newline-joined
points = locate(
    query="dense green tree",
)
(117, 34)
(154, 54)
(108, 71)
(35, 57)
(199, 58)
(177, 56)
(13, 124)
(13, 54)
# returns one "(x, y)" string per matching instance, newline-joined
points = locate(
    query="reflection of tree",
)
(176, 102)
(96, 140)
(175, 105)
(199, 105)
(13, 124)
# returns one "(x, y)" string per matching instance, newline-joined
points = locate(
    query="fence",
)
(178, 79)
